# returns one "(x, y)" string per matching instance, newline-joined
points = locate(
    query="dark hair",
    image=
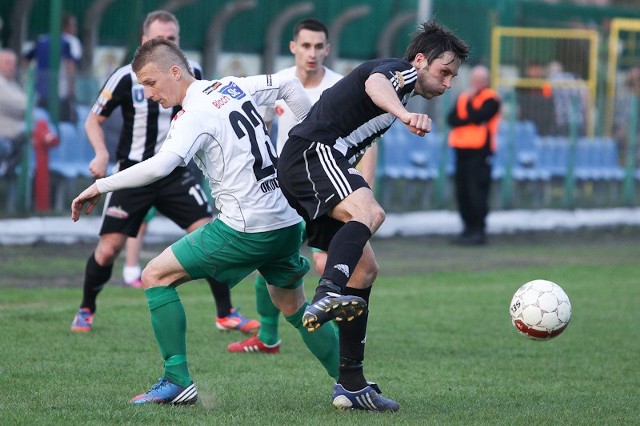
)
(162, 52)
(68, 20)
(311, 25)
(159, 15)
(433, 40)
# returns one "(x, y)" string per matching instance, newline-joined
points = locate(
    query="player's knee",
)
(151, 275)
(105, 254)
(378, 217)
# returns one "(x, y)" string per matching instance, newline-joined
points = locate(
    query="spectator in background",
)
(623, 111)
(13, 106)
(70, 54)
(474, 123)
(536, 102)
(570, 100)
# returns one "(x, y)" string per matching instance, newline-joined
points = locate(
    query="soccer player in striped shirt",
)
(317, 174)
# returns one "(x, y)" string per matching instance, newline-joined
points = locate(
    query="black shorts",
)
(315, 177)
(178, 196)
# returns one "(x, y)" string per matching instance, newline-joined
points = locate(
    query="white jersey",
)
(220, 128)
(286, 118)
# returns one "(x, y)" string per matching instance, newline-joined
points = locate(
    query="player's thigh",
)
(218, 251)
(214, 251)
(360, 206)
(163, 270)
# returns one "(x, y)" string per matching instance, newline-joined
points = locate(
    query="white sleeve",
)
(292, 92)
(141, 174)
(268, 88)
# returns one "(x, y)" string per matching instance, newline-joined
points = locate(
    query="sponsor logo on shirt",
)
(106, 95)
(219, 103)
(400, 79)
(232, 90)
(354, 171)
(117, 212)
(137, 93)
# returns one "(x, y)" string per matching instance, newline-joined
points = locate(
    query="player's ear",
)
(420, 60)
(292, 47)
(175, 72)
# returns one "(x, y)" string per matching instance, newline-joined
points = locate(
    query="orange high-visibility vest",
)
(474, 136)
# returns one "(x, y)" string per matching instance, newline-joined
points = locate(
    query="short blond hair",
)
(163, 53)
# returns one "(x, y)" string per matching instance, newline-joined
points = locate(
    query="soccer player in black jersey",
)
(178, 196)
(317, 174)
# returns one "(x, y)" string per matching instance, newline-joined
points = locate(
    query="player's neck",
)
(310, 80)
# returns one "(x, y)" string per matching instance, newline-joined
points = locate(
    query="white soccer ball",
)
(540, 310)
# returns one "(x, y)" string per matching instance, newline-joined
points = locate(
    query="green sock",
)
(323, 343)
(169, 324)
(268, 333)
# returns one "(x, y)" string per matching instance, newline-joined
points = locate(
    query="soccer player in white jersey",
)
(178, 196)
(317, 175)
(309, 46)
(256, 229)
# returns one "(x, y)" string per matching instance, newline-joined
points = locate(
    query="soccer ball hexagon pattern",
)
(540, 310)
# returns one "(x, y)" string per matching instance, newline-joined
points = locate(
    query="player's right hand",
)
(98, 166)
(91, 195)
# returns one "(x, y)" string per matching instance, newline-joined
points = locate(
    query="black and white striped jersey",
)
(346, 118)
(145, 123)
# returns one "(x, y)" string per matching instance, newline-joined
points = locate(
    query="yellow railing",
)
(544, 44)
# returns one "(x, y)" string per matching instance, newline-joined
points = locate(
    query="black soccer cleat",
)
(333, 306)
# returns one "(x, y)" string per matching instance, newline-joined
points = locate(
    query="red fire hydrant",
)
(43, 140)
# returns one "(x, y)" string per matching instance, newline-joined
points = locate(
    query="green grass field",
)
(440, 342)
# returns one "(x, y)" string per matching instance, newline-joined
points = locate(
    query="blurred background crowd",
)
(567, 72)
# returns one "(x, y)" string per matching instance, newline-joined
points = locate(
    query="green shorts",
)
(150, 214)
(215, 250)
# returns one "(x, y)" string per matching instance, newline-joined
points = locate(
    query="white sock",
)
(131, 273)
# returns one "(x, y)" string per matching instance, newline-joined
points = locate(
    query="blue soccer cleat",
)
(83, 321)
(167, 392)
(333, 306)
(369, 399)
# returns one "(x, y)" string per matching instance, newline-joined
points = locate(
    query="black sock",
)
(345, 250)
(95, 277)
(352, 342)
(222, 296)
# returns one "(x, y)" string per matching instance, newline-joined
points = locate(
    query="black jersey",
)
(145, 123)
(346, 118)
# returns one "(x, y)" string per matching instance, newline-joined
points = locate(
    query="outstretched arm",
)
(382, 93)
(135, 176)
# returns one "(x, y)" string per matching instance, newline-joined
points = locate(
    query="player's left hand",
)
(420, 124)
(91, 195)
